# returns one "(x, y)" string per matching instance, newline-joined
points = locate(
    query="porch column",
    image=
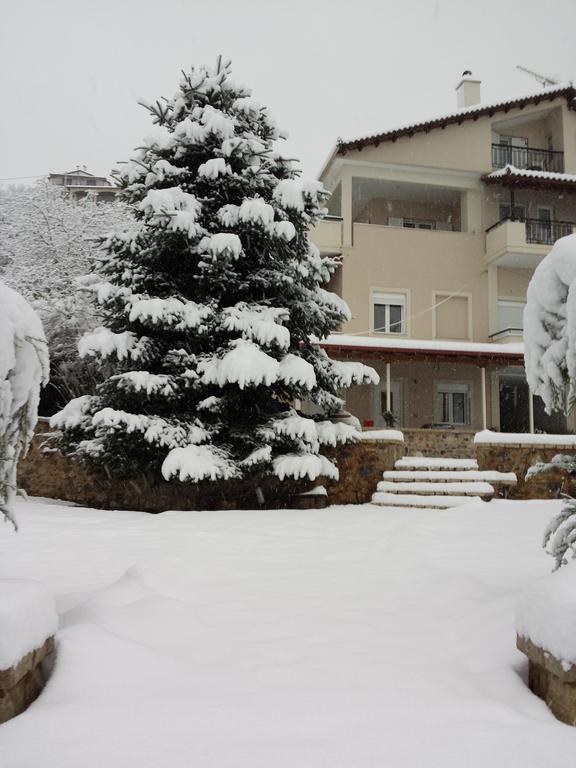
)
(388, 386)
(484, 404)
(531, 410)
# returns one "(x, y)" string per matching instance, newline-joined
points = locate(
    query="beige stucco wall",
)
(417, 263)
(513, 283)
(467, 147)
(536, 130)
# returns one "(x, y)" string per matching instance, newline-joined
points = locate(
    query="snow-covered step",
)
(435, 489)
(414, 500)
(448, 476)
(425, 462)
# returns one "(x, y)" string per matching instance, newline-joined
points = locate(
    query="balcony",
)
(523, 243)
(327, 235)
(527, 158)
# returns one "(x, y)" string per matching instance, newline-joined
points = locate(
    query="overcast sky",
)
(71, 71)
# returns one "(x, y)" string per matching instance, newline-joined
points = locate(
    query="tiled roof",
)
(469, 113)
(388, 347)
(511, 176)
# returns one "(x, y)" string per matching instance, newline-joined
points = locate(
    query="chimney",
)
(468, 90)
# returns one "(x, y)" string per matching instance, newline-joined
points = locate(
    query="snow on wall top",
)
(27, 618)
(487, 437)
(546, 614)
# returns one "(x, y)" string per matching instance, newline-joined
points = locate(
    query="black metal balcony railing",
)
(541, 231)
(547, 232)
(528, 158)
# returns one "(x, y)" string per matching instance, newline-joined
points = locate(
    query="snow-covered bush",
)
(550, 327)
(48, 241)
(213, 307)
(23, 370)
(550, 359)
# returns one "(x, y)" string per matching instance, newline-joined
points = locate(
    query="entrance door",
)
(514, 415)
(380, 403)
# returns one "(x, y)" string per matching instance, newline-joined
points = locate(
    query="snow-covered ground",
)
(352, 637)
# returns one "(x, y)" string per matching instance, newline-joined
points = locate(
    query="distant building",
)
(80, 182)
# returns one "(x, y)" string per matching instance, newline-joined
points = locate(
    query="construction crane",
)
(542, 79)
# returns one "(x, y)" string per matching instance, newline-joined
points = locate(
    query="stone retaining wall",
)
(21, 684)
(451, 443)
(56, 476)
(361, 465)
(519, 459)
(551, 681)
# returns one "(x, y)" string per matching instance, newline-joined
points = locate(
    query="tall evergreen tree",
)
(213, 307)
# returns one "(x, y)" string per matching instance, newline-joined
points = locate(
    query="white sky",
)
(71, 71)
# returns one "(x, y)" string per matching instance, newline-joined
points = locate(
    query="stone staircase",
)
(438, 483)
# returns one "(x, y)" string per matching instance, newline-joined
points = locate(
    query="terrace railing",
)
(528, 158)
(541, 231)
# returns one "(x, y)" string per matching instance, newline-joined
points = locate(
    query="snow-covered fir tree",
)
(214, 306)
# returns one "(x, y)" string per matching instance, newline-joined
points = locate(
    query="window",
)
(511, 315)
(419, 224)
(389, 313)
(452, 403)
(516, 212)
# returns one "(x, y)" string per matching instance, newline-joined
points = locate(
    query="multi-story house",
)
(80, 182)
(439, 226)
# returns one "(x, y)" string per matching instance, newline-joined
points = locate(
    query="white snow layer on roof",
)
(465, 111)
(374, 342)
(27, 618)
(511, 169)
(521, 438)
(546, 614)
(550, 323)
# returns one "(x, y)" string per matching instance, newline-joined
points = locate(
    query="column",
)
(388, 388)
(484, 404)
(531, 410)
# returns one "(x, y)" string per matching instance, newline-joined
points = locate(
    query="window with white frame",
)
(389, 313)
(510, 315)
(452, 403)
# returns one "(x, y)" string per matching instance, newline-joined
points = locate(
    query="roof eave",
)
(569, 93)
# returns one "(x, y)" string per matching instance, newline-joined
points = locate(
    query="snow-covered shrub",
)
(550, 327)
(213, 307)
(550, 359)
(23, 370)
(48, 241)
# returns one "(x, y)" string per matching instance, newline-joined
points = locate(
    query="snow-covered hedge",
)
(23, 370)
(550, 327)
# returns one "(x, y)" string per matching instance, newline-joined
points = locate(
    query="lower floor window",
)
(453, 404)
